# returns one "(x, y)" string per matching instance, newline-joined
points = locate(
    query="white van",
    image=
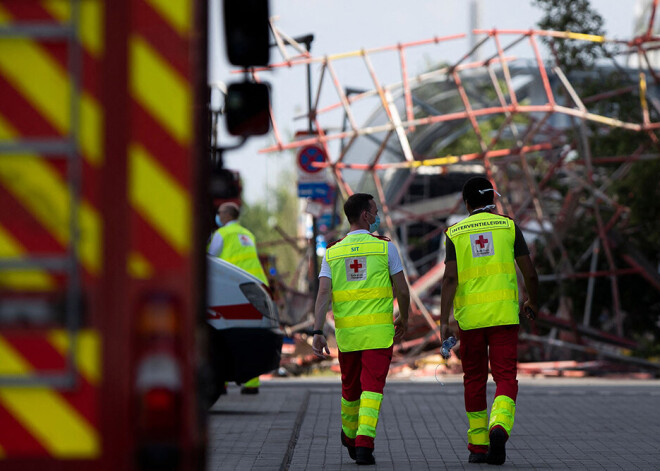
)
(244, 339)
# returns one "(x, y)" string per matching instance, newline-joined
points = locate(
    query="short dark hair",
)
(231, 209)
(473, 197)
(355, 204)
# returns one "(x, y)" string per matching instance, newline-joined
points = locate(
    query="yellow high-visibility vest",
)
(487, 292)
(362, 297)
(239, 248)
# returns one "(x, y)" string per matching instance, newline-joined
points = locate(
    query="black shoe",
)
(364, 455)
(249, 390)
(477, 458)
(497, 448)
(351, 448)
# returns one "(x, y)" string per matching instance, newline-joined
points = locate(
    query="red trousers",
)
(498, 344)
(364, 370)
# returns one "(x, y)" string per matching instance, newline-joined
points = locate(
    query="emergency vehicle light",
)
(158, 318)
(158, 383)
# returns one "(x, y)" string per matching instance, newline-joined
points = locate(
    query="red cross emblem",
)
(355, 266)
(481, 241)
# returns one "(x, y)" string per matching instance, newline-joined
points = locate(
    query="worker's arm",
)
(319, 343)
(403, 300)
(215, 246)
(531, 284)
(449, 285)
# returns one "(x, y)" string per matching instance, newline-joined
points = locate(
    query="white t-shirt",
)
(215, 247)
(393, 258)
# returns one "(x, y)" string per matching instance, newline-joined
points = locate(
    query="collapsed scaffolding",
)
(518, 114)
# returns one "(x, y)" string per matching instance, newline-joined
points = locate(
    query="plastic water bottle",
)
(447, 345)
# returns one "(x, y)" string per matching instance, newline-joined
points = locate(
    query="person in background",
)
(480, 282)
(358, 273)
(236, 245)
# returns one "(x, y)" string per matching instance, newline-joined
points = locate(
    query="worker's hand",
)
(400, 327)
(530, 310)
(319, 343)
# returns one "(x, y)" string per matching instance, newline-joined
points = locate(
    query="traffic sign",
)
(307, 156)
(325, 221)
(313, 189)
(328, 199)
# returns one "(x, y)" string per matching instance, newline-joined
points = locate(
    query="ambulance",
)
(244, 338)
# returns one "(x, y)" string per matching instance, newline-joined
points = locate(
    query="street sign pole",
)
(313, 282)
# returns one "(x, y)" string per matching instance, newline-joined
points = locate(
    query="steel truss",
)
(528, 149)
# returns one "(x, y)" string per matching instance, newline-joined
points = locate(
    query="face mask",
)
(218, 222)
(373, 227)
(488, 208)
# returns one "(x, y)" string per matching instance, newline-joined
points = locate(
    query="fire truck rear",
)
(102, 139)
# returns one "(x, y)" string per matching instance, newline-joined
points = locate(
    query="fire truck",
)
(103, 137)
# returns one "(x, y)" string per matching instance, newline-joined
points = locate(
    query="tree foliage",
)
(279, 209)
(576, 16)
(637, 189)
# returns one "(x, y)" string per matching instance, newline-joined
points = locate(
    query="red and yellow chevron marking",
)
(161, 140)
(35, 92)
(43, 421)
(28, 280)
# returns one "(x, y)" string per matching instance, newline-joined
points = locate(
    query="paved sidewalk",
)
(560, 424)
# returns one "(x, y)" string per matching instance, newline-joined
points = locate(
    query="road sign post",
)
(312, 180)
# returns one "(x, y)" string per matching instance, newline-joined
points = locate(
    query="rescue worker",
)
(480, 281)
(236, 245)
(358, 273)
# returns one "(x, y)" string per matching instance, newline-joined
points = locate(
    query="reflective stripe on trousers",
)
(502, 413)
(253, 383)
(349, 417)
(478, 431)
(369, 409)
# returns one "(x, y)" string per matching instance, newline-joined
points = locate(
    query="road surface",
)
(560, 424)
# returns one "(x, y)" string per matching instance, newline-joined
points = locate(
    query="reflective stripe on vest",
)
(487, 297)
(487, 292)
(362, 297)
(361, 294)
(242, 254)
(363, 320)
